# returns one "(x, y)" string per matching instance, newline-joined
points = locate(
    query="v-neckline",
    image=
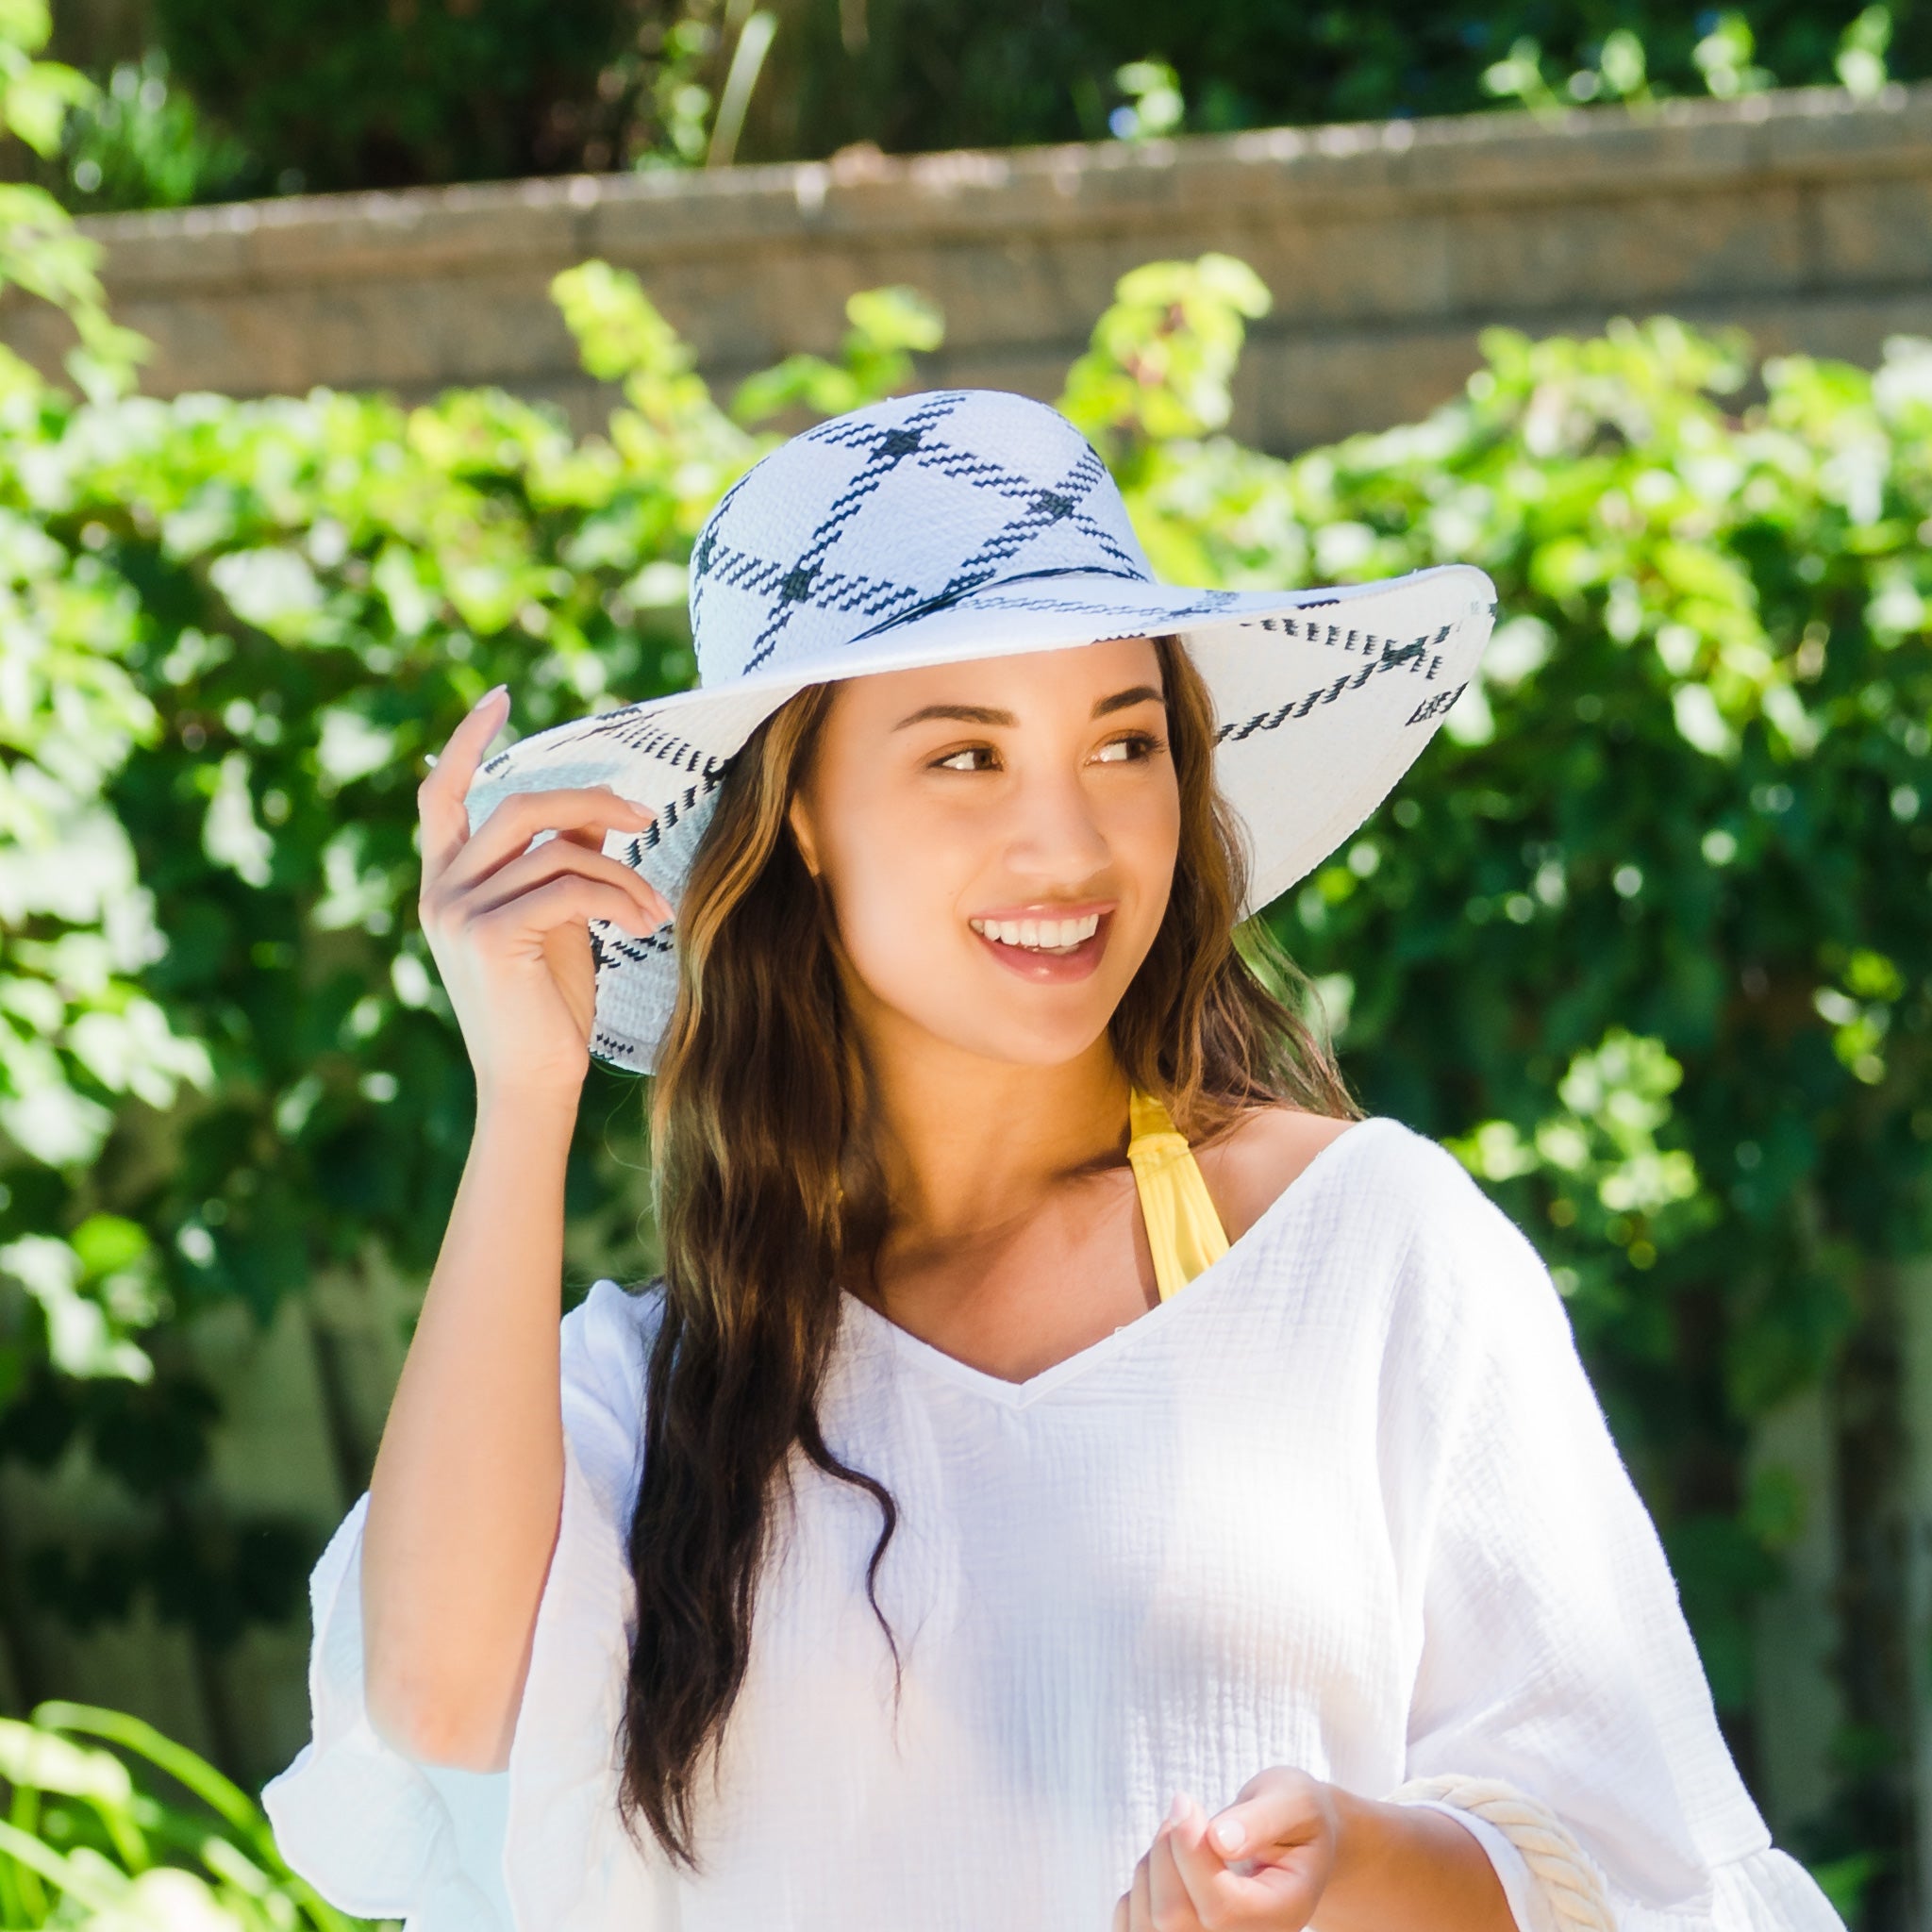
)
(1019, 1394)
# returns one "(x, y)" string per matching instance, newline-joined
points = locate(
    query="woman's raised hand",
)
(508, 927)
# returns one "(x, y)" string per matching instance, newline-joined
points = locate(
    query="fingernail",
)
(488, 695)
(1228, 1834)
(1177, 1810)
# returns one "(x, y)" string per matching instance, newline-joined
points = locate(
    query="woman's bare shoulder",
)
(1249, 1166)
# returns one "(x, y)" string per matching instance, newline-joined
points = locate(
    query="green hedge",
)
(90, 1841)
(1645, 935)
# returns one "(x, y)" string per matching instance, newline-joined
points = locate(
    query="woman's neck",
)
(971, 1145)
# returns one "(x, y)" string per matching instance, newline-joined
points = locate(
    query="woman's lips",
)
(1052, 969)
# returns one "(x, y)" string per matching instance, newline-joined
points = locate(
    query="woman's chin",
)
(1032, 1024)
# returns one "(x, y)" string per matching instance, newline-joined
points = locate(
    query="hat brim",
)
(1323, 698)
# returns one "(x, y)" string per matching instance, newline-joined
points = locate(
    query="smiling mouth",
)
(1055, 937)
(1047, 952)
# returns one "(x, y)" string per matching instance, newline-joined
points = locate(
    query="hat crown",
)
(889, 512)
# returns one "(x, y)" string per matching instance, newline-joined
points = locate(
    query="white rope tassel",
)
(1571, 1879)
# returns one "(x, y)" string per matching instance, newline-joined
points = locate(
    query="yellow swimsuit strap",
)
(1183, 1229)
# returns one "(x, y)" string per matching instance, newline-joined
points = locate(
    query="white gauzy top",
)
(1346, 1502)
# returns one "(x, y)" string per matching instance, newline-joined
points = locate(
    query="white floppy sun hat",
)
(963, 524)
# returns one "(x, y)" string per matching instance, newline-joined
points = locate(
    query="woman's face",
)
(998, 839)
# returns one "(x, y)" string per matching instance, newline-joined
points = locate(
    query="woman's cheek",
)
(1148, 844)
(905, 945)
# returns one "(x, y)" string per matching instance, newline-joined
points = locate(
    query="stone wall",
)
(1802, 215)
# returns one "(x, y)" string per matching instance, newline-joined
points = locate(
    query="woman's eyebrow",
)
(988, 714)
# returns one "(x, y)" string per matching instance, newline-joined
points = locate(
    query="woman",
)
(1058, 1399)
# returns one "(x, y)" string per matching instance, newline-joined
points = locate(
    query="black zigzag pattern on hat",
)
(844, 432)
(1045, 505)
(997, 598)
(1378, 655)
(802, 583)
(1210, 604)
(635, 730)
(1043, 508)
(673, 810)
(612, 946)
(716, 560)
(806, 582)
(889, 447)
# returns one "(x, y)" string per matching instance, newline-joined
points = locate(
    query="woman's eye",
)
(1133, 749)
(1137, 747)
(950, 762)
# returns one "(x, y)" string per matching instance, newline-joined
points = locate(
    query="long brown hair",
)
(768, 1190)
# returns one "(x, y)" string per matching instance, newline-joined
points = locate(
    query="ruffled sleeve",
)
(1554, 1652)
(537, 1845)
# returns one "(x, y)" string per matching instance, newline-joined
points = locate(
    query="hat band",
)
(946, 599)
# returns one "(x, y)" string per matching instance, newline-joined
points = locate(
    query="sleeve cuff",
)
(1528, 1905)
(1765, 1890)
(382, 1835)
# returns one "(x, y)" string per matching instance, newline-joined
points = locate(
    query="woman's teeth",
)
(1039, 935)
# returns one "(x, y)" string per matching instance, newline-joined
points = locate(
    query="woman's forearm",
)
(468, 1484)
(1408, 1866)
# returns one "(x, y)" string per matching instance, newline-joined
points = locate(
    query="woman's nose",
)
(1055, 832)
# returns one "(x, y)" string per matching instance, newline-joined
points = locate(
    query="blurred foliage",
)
(317, 95)
(39, 252)
(138, 141)
(915, 75)
(366, 94)
(314, 94)
(1647, 937)
(889, 326)
(87, 1845)
(385, 94)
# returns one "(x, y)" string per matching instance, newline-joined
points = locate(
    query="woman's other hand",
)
(1286, 1832)
(508, 924)
(1290, 1845)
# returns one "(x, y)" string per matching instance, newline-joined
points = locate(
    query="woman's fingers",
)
(1187, 1881)
(506, 911)
(439, 796)
(1168, 1905)
(453, 857)
(1187, 1875)
(1189, 1884)
(1140, 1900)
(571, 900)
(552, 859)
(1276, 1811)
(518, 819)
